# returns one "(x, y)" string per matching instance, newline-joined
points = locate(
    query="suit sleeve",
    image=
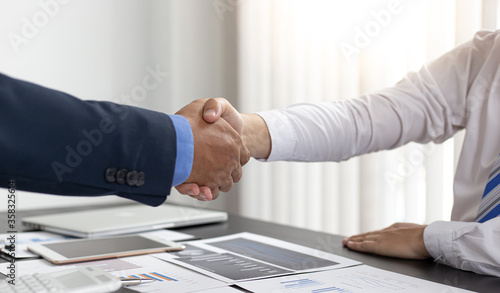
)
(52, 142)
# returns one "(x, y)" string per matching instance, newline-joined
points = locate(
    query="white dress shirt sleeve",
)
(429, 105)
(416, 109)
(468, 246)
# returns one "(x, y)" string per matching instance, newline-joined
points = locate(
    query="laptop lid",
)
(122, 220)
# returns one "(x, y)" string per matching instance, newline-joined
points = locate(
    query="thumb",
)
(220, 107)
(212, 110)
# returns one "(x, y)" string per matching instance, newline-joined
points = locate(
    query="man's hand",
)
(251, 127)
(219, 154)
(403, 240)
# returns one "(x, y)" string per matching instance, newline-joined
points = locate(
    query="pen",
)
(135, 281)
(3, 276)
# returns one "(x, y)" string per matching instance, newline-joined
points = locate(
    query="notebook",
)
(122, 220)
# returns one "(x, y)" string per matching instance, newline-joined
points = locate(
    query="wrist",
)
(421, 249)
(256, 136)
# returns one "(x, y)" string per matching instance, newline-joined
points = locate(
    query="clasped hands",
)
(223, 146)
(219, 151)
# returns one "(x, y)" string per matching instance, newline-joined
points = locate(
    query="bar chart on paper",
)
(153, 276)
(167, 277)
(171, 278)
(301, 283)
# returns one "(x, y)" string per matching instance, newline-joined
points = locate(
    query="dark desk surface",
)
(423, 269)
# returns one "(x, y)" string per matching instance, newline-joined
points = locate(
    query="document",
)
(167, 277)
(22, 240)
(357, 279)
(247, 256)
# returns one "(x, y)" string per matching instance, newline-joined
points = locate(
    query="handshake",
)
(221, 146)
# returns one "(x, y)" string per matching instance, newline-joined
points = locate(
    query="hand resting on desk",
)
(402, 240)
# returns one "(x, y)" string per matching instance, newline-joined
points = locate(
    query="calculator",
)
(89, 279)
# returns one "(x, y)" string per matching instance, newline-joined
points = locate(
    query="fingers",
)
(360, 237)
(237, 174)
(244, 155)
(368, 246)
(206, 194)
(215, 192)
(368, 242)
(202, 193)
(190, 189)
(402, 240)
(227, 185)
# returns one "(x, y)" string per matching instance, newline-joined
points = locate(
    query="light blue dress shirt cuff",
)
(185, 149)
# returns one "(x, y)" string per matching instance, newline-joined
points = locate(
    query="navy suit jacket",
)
(52, 142)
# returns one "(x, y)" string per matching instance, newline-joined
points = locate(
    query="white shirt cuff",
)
(438, 240)
(283, 136)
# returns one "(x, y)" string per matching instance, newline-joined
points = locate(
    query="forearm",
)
(414, 110)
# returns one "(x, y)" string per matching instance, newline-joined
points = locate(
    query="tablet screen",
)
(96, 246)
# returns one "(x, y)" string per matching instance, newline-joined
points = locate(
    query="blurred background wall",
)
(100, 50)
(259, 54)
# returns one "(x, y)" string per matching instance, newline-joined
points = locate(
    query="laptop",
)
(122, 220)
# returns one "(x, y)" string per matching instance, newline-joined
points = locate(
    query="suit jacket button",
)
(110, 174)
(121, 175)
(141, 179)
(132, 178)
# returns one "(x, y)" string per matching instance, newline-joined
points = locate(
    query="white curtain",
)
(321, 50)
